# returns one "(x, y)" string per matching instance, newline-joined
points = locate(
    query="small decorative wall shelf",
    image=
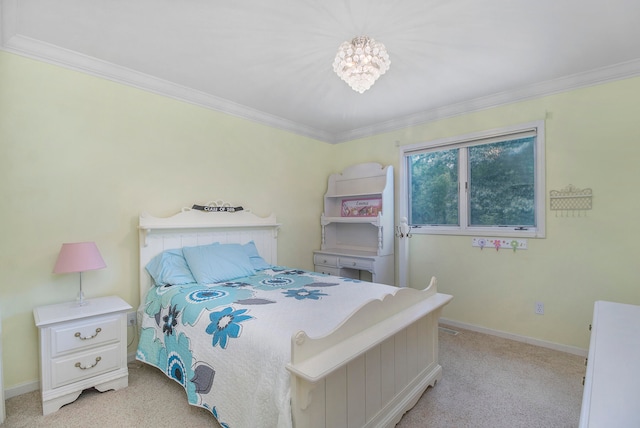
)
(570, 199)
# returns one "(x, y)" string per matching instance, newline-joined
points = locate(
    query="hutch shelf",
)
(357, 224)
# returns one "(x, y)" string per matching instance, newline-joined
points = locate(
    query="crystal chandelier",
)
(360, 62)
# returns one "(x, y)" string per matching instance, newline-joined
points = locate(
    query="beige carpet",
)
(487, 382)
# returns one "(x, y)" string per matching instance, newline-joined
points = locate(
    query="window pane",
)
(502, 183)
(434, 188)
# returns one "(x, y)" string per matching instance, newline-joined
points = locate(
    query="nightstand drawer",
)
(76, 367)
(78, 335)
(356, 263)
(325, 260)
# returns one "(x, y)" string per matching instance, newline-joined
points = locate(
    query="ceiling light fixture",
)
(360, 62)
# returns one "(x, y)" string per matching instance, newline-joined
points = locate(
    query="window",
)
(485, 183)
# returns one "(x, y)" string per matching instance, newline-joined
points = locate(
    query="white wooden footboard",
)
(373, 367)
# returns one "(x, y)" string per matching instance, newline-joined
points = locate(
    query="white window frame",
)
(469, 140)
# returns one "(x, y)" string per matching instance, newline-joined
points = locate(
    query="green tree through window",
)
(434, 188)
(501, 184)
(477, 184)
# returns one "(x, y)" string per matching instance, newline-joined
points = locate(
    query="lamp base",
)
(80, 300)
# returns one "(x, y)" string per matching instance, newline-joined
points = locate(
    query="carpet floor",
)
(487, 381)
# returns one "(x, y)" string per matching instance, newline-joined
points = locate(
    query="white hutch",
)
(357, 224)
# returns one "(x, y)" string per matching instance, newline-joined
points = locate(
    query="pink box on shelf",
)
(361, 207)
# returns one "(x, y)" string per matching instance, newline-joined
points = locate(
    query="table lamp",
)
(79, 257)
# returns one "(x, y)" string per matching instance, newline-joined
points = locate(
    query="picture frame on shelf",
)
(361, 207)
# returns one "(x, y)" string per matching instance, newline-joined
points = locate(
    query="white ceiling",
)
(271, 60)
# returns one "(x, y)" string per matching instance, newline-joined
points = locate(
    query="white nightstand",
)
(2, 409)
(81, 347)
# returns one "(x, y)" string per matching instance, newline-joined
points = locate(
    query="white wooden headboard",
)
(192, 227)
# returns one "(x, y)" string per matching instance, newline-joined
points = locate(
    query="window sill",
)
(500, 232)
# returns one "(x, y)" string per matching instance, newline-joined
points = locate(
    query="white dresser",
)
(610, 397)
(81, 347)
(2, 412)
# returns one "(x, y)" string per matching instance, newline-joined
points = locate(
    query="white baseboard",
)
(518, 338)
(21, 389)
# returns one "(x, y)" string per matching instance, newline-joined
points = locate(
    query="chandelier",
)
(360, 62)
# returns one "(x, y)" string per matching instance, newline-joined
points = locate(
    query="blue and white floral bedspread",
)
(228, 344)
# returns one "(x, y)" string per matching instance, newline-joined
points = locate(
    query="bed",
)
(278, 347)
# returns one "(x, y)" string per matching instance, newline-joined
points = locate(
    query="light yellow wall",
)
(82, 157)
(592, 140)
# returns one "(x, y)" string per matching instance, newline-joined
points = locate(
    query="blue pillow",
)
(216, 263)
(258, 262)
(170, 267)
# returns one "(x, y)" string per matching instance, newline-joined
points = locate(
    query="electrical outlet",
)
(132, 318)
(539, 308)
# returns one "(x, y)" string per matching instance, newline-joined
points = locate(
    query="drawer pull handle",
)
(325, 260)
(78, 335)
(354, 263)
(78, 365)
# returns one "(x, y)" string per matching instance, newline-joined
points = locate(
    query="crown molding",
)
(598, 76)
(55, 55)
(35, 49)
